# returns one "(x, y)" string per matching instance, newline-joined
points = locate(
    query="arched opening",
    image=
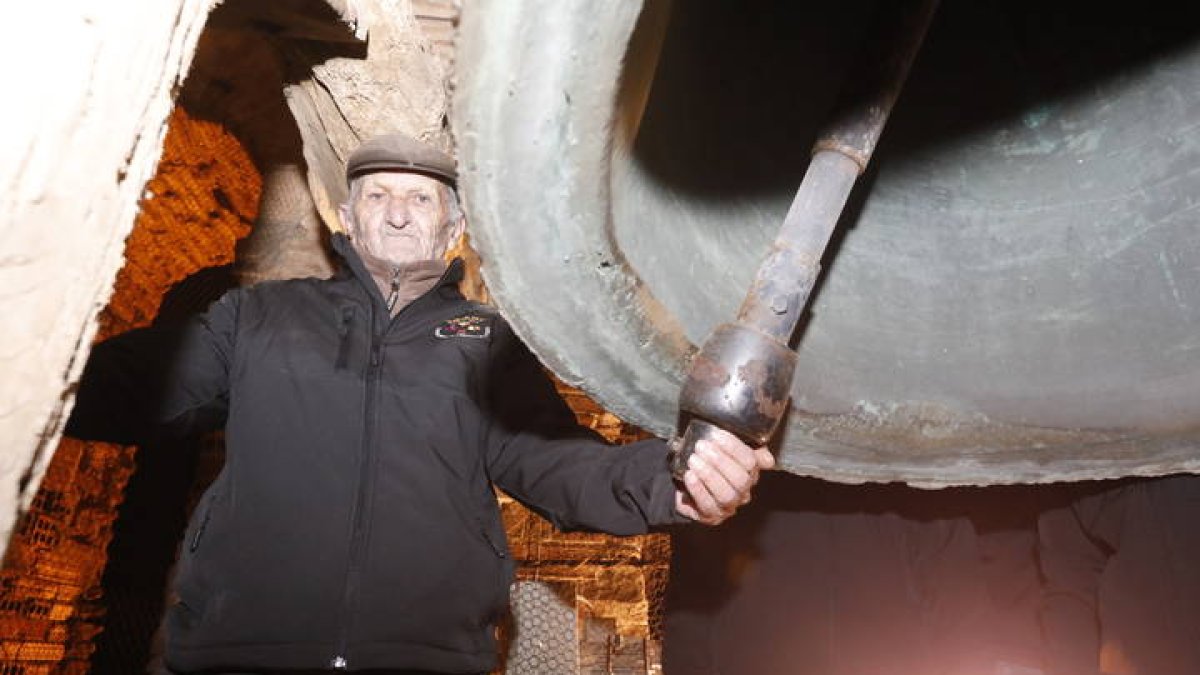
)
(83, 584)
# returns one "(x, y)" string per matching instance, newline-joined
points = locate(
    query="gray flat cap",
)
(398, 152)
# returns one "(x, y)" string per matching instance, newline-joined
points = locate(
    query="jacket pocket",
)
(188, 581)
(502, 577)
(201, 527)
(491, 529)
(198, 596)
(498, 546)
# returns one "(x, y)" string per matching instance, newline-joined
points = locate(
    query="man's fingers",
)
(732, 446)
(732, 475)
(750, 458)
(697, 480)
(712, 493)
(721, 473)
(691, 506)
(764, 458)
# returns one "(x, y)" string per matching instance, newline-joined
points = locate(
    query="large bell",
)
(1013, 294)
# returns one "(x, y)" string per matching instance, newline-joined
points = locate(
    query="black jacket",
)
(354, 525)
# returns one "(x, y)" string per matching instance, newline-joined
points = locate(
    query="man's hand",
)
(721, 473)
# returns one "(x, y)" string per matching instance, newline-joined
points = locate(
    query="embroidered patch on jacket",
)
(467, 325)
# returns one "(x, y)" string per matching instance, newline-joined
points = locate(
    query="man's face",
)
(398, 218)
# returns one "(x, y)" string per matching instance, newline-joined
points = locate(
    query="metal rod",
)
(780, 290)
(741, 378)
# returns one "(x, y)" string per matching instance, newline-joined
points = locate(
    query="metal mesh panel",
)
(544, 640)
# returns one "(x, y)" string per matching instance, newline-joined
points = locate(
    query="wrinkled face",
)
(395, 218)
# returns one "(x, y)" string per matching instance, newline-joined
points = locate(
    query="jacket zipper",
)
(358, 515)
(358, 518)
(394, 296)
(339, 660)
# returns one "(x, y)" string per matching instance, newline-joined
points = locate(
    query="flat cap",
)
(398, 152)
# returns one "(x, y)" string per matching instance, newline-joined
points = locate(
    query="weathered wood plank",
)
(396, 87)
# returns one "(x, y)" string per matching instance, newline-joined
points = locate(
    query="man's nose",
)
(398, 214)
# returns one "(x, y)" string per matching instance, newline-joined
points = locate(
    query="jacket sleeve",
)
(541, 456)
(157, 383)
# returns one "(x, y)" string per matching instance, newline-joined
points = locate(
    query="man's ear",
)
(454, 239)
(345, 218)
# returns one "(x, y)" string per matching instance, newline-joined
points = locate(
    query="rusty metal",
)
(741, 378)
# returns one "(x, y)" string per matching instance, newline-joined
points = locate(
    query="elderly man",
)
(367, 416)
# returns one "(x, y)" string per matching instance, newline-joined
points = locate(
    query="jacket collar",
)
(353, 268)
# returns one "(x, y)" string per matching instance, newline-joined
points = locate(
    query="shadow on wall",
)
(817, 578)
(163, 488)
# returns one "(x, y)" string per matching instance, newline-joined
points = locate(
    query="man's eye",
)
(423, 198)
(374, 196)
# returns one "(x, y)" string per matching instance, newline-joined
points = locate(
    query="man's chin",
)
(384, 260)
(409, 258)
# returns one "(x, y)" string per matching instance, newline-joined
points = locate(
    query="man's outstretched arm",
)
(157, 382)
(539, 455)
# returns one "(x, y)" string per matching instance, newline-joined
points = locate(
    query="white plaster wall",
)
(88, 85)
